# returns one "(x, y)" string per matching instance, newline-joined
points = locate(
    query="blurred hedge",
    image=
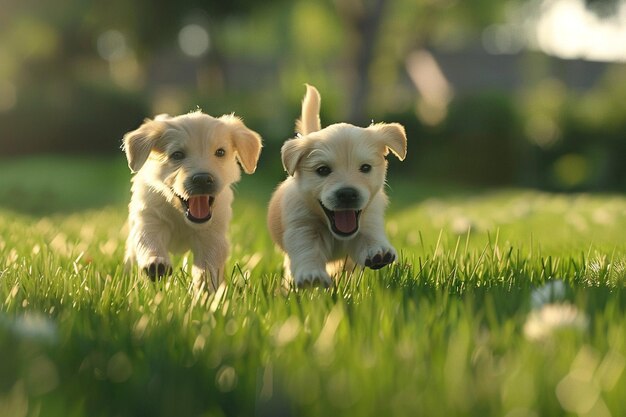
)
(484, 139)
(476, 143)
(66, 117)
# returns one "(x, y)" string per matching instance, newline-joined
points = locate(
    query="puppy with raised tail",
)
(184, 167)
(331, 206)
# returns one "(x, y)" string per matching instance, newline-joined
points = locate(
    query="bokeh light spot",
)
(111, 45)
(194, 40)
(570, 30)
(543, 130)
(571, 170)
(8, 96)
(226, 379)
(501, 39)
(119, 368)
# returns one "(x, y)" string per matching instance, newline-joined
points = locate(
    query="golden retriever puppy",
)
(181, 196)
(332, 204)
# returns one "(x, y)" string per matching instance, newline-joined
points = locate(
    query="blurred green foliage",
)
(76, 75)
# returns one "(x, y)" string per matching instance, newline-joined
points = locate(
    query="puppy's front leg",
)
(209, 258)
(147, 245)
(372, 248)
(308, 254)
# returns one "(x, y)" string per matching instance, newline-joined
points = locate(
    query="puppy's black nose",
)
(202, 180)
(347, 197)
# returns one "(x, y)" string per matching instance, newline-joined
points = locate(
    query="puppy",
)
(181, 196)
(332, 204)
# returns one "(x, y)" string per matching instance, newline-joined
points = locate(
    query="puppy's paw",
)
(378, 257)
(157, 268)
(311, 279)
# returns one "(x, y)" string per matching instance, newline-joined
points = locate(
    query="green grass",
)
(440, 333)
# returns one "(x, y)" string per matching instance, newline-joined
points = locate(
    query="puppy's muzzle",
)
(345, 213)
(201, 188)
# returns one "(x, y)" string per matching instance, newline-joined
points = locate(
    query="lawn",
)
(504, 303)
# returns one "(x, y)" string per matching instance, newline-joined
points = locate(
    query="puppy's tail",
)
(310, 119)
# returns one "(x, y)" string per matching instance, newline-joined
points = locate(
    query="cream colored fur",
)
(157, 221)
(296, 219)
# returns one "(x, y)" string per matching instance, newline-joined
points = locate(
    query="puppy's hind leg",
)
(207, 277)
(209, 259)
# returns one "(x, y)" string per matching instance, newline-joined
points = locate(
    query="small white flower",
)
(549, 293)
(461, 225)
(551, 318)
(32, 326)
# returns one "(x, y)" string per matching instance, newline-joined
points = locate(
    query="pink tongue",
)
(199, 207)
(345, 221)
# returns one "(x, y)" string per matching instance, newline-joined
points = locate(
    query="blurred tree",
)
(154, 24)
(603, 7)
(382, 33)
(50, 64)
(363, 18)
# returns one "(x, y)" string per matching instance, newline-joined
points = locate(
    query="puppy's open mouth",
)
(343, 222)
(198, 208)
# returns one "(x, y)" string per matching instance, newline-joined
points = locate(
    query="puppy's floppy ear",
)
(392, 136)
(291, 153)
(247, 143)
(139, 142)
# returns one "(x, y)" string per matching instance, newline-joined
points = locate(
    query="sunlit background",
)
(492, 92)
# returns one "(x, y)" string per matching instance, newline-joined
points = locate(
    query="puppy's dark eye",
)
(177, 156)
(365, 168)
(220, 152)
(323, 171)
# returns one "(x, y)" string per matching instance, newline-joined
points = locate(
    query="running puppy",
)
(181, 195)
(332, 204)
